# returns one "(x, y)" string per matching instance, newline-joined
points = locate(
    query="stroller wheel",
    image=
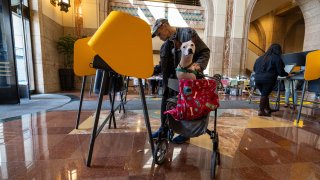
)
(161, 151)
(214, 163)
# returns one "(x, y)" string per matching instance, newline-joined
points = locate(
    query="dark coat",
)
(269, 66)
(170, 52)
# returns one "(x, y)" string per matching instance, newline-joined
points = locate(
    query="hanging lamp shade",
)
(124, 43)
(83, 56)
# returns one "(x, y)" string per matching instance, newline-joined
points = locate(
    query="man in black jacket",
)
(267, 68)
(170, 56)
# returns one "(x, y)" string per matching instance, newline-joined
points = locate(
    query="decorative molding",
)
(226, 70)
(78, 23)
(193, 16)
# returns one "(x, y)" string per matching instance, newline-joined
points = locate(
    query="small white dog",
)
(185, 69)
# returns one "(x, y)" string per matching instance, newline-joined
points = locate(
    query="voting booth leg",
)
(146, 115)
(122, 92)
(84, 79)
(301, 101)
(112, 97)
(91, 85)
(122, 102)
(126, 91)
(96, 119)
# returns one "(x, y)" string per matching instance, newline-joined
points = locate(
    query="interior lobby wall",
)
(48, 25)
(234, 69)
(46, 28)
(294, 39)
(224, 35)
(310, 12)
(288, 31)
(224, 29)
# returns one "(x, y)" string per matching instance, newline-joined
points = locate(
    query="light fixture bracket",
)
(64, 4)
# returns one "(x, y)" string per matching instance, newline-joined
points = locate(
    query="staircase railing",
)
(255, 48)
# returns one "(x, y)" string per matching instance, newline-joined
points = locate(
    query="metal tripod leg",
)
(112, 100)
(96, 119)
(122, 102)
(84, 79)
(301, 101)
(127, 87)
(146, 115)
(91, 84)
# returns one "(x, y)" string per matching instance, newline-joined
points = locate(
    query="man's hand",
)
(196, 67)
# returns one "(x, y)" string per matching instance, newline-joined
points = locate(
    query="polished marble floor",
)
(46, 145)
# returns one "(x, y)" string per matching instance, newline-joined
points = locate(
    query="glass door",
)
(23, 50)
(8, 82)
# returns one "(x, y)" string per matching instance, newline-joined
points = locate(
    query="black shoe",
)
(180, 139)
(263, 113)
(269, 111)
(156, 134)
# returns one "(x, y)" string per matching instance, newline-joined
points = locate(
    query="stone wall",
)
(85, 32)
(311, 12)
(45, 33)
(36, 17)
(294, 38)
(224, 29)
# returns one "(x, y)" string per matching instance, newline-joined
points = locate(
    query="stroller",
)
(193, 128)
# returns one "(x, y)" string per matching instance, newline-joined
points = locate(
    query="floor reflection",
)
(45, 145)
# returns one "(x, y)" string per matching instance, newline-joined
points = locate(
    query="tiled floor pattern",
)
(46, 145)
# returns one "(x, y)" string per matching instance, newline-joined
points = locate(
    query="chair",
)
(311, 73)
(83, 56)
(124, 43)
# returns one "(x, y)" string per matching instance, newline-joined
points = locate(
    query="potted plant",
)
(65, 46)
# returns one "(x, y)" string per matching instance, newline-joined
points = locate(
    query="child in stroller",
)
(187, 128)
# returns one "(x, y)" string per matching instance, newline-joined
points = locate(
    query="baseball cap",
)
(156, 26)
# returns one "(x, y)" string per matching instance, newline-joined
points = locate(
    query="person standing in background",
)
(267, 68)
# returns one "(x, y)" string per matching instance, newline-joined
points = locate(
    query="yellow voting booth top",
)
(312, 71)
(83, 56)
(124, 43)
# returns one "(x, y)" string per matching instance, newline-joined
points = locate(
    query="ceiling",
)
(281, 7)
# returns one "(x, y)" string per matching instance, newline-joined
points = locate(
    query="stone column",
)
(311, 12)
(236, 40)
(103, 10)
(214, 34)
(36, 17)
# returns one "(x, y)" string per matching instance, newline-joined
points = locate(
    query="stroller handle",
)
(174, 83)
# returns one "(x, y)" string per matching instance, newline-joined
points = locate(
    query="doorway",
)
(9, 93)
(23, 50)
